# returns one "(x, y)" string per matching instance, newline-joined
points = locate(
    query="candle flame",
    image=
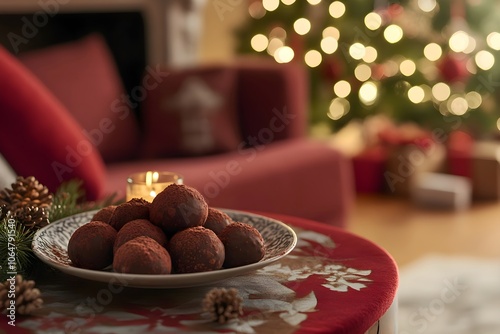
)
(149, 178)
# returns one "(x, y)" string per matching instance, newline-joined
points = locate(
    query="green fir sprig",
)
(15, 247)
(69, 199)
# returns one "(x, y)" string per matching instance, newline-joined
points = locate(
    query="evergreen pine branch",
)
(66, 200)
(69, 199)
(15, 239)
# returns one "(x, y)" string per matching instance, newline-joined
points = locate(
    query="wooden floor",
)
(408, 232)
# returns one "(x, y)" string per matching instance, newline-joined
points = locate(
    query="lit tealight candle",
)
(148, 184)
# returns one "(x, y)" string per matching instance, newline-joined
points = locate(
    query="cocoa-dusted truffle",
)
(91, 245)
(104, 215)
(142, 255)
(178, 207)
(243, 244)
(137, 228)
(217, 220)
(136, 208)
(196, 249)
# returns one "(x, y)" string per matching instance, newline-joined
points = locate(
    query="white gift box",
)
(443, 191)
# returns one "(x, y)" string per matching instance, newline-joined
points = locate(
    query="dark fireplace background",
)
(123, 31)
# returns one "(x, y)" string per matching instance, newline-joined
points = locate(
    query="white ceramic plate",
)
(50, 245)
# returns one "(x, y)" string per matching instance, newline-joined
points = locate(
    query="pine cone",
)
(26, 295)
(223, 304)
(33, 217)
(28, 192)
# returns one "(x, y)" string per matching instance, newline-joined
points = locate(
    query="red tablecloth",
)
(333, 282)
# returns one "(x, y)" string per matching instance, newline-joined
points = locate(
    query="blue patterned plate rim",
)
(50, 246)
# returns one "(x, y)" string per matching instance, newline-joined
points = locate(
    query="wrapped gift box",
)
(486, 170)
(443, 191)
(406, 162)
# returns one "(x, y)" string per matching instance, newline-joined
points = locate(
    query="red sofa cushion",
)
(299, 177)
(39, 137)
(82, 74)
(272, 100)
(192, 112)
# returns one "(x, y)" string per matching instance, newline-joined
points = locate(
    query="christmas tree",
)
(425, 61)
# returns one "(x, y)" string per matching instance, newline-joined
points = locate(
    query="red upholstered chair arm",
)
(272, 100)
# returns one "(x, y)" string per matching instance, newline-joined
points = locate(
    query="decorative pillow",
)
(83, 75)
(192, 112)
(38, 136)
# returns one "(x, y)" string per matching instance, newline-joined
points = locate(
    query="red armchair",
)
(259, 159)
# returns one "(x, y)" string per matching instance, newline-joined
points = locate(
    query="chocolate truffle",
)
(137, 228)
(217, 220)
(142, 255)
(104, 215)
(91, 245)
(196, 249)
(243, 244)
(136, 208)
(178, 207)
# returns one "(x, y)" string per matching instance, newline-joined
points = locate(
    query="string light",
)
(433, 51)
(287, 2)
(474, 100)
(313, 58)
(471, 45)
(256, 10)
(427, 5)
(271, 5)
(284, 54)
(458, 105)
(493, 40)
(393, 33)
(373, 21)
(302, 26)
(336, 9)
(278, 32)
(259, 42)
(484, 60)
(342, 88)
(274, 44)
(338, 108)
(314, 2)
(331, 32)
(441, 91)
(329, 45)
(368, 93)
(357, 51)
(371, 54)
(470, 65)
(362, 72)
(427, 92)
(416, 94)
(459, 41)
(407, 67)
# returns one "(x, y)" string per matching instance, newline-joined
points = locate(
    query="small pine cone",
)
(223, 304)
(26, 295)
(33, 217)
(28, 192)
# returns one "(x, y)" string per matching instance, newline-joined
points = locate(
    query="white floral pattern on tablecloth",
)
(268, 296)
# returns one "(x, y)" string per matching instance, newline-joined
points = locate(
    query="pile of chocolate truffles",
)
(176, 233)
